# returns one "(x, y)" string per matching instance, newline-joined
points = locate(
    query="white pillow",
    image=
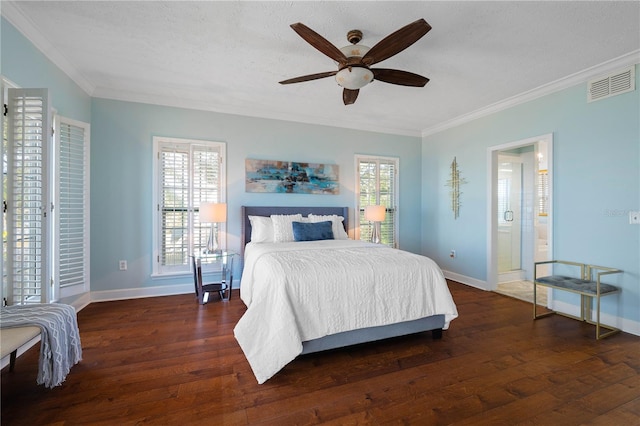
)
(283, 228)
(337, 227)
(261, 229)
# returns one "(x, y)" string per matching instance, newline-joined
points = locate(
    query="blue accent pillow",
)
(304, 231)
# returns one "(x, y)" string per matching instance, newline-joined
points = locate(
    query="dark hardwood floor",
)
(169, 361)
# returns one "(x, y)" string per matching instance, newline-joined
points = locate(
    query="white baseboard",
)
(626, 325)
(137, 293)
(78, 302)
(473, 282)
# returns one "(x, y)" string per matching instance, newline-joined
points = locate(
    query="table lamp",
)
(213, 213)
(375, 214)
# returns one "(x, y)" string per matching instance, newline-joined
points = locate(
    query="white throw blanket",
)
(301, 291)
(60, 347)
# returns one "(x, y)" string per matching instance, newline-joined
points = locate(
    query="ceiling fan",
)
(354, 61)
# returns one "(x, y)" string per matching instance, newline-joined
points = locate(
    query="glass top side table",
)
(219, 263)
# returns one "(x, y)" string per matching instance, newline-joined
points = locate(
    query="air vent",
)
(612, 84)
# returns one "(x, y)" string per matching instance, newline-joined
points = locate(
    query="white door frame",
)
(516, 237)
(492, 201)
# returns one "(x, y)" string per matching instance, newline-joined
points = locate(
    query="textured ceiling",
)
(229, 56)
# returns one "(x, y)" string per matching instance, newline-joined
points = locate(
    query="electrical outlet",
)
(123, 265)
(634, 218)
(452, 254)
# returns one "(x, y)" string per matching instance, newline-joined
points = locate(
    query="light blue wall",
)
(596, 183)
(596, 174)
(121, 151)
(121, 176)
(26, 66)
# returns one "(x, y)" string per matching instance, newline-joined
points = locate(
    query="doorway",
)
(510, 227)
(520, 215)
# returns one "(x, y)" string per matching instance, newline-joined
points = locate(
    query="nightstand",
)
(213, 263)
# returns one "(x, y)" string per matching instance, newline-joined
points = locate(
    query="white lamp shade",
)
(374, 213)
(213, 212)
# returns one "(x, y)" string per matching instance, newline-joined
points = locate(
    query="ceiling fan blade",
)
(319, 42)
(396, 42)
(309, 77)
(349, 96)
(403, 78)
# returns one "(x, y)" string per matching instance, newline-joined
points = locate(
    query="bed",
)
(309, 296)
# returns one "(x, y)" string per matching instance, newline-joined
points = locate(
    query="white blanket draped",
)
(301, 291)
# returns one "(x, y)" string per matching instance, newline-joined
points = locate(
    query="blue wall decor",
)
(290, 177)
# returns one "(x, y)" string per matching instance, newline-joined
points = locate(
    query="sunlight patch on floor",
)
(523, 290)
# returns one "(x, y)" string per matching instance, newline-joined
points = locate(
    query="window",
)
(543, 192)
(187, 172)
(5, 167)
(40, 265)
(71, 212)
(377, 184)
(27, 196)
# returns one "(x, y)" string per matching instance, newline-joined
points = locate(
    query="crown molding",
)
(580, 77)
(29, 30)
(18, 19)
(195, 104)
(22, 23)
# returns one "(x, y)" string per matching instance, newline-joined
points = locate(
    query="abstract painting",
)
(290, 177)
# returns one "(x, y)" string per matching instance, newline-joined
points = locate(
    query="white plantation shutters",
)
(47, 213)
(29, 135)
(174, 208)
(71, 213)
(377, 183)
(187, 174)
(207, 178)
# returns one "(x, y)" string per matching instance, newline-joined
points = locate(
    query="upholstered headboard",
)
(269, 210)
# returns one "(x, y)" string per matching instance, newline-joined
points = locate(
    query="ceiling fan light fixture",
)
(354, 78)
(357, 50)
(354, 61)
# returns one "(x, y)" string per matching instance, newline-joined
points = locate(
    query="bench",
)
(14, 338)
(588, 286)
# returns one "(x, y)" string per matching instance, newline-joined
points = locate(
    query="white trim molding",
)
(624, 324)
(580, 77)
(141, 292)
(463, 279)
(26, 26)
(492, 197)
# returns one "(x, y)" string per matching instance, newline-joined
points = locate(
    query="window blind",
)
(29, 133)
(377, 183)
(174, 206)
(189, 173)
(72, 207)
(206, 188)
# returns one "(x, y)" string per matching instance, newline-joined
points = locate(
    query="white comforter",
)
(301, 291)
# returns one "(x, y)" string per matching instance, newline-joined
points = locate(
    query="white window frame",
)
(196, 233)
(53, 236)
(4, 291)
(71, 215)
(28, 268)
(391, 220)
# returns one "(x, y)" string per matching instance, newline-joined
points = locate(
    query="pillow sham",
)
(307, 231)
(261, 229)
(282, 228)
(337, 224)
